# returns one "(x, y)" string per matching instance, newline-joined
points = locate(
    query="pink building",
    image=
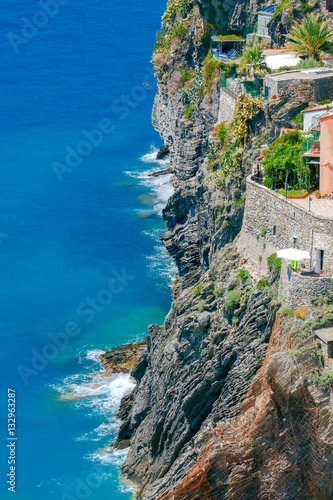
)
(326, 153)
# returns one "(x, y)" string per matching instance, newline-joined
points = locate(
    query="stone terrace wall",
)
(300, 90)
(227, 107)
(297, 289)
(273, 221)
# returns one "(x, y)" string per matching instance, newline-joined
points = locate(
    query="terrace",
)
(226, 48)
(323, 207)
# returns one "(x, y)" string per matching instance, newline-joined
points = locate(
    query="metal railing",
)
(250, 89)
(309, 142)
(232, 90)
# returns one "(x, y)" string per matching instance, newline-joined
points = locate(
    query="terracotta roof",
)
(317, 109)
(326, 115)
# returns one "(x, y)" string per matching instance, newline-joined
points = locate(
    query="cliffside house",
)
(311, 116)
(306, 85)
(318, 147)
(264, 17)
(226, 47)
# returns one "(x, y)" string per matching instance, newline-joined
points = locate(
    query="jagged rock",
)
(162, 152)
(124, 358)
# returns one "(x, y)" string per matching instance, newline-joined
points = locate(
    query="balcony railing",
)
(311, 145)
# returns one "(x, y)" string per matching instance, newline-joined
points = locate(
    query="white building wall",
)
(310, 118)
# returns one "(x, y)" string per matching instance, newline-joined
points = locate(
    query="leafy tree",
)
(252, 62)
(310, 37)
(285, 154)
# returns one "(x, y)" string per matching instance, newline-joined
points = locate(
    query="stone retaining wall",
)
(227, 107)
(272, 221)
(300, 90)
(297, 289)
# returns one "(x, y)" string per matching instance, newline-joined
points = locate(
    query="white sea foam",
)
(151, 157)
(88, 356)
(161, 185)
(106, 429)
(110, 456)
(94, 354)
(160, 263)
(101, 394)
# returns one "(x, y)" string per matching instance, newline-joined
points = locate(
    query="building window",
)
(329, 5)
(294, 241)
(274, 230)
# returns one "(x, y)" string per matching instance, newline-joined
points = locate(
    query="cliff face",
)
(220, 409)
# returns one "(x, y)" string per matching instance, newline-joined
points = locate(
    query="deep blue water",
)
(69, 227)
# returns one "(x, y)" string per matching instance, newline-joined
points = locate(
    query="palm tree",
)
(252, 62)
(310, 37)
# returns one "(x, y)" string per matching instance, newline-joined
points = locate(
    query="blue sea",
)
(82, 267)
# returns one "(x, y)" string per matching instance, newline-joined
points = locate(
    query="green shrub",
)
(217, 291)
(201, 305)
(180, 30)
(308, 63)
(232, 300)
(186, 75)
(221, 132)
(243, 275)
(325, 101)
(299, 119)
(273, 262)
(260, 258)
(262, 284)
(238, 202)
(197, 290)
(323, 380)
(287, 311)
(161, 41)
(235, 320)
(188, 111)
(263, 231)
(218, 218)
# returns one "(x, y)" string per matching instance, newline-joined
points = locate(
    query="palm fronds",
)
(311, 37)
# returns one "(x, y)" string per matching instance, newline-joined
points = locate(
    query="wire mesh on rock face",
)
(279, 448)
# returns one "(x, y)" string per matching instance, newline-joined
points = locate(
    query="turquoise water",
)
(82, 269)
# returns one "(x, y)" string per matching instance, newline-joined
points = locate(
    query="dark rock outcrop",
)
(162, 153)
(124, 358)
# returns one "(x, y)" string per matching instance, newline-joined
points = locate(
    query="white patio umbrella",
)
(293, 254)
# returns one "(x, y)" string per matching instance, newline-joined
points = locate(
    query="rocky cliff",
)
(225, 404)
